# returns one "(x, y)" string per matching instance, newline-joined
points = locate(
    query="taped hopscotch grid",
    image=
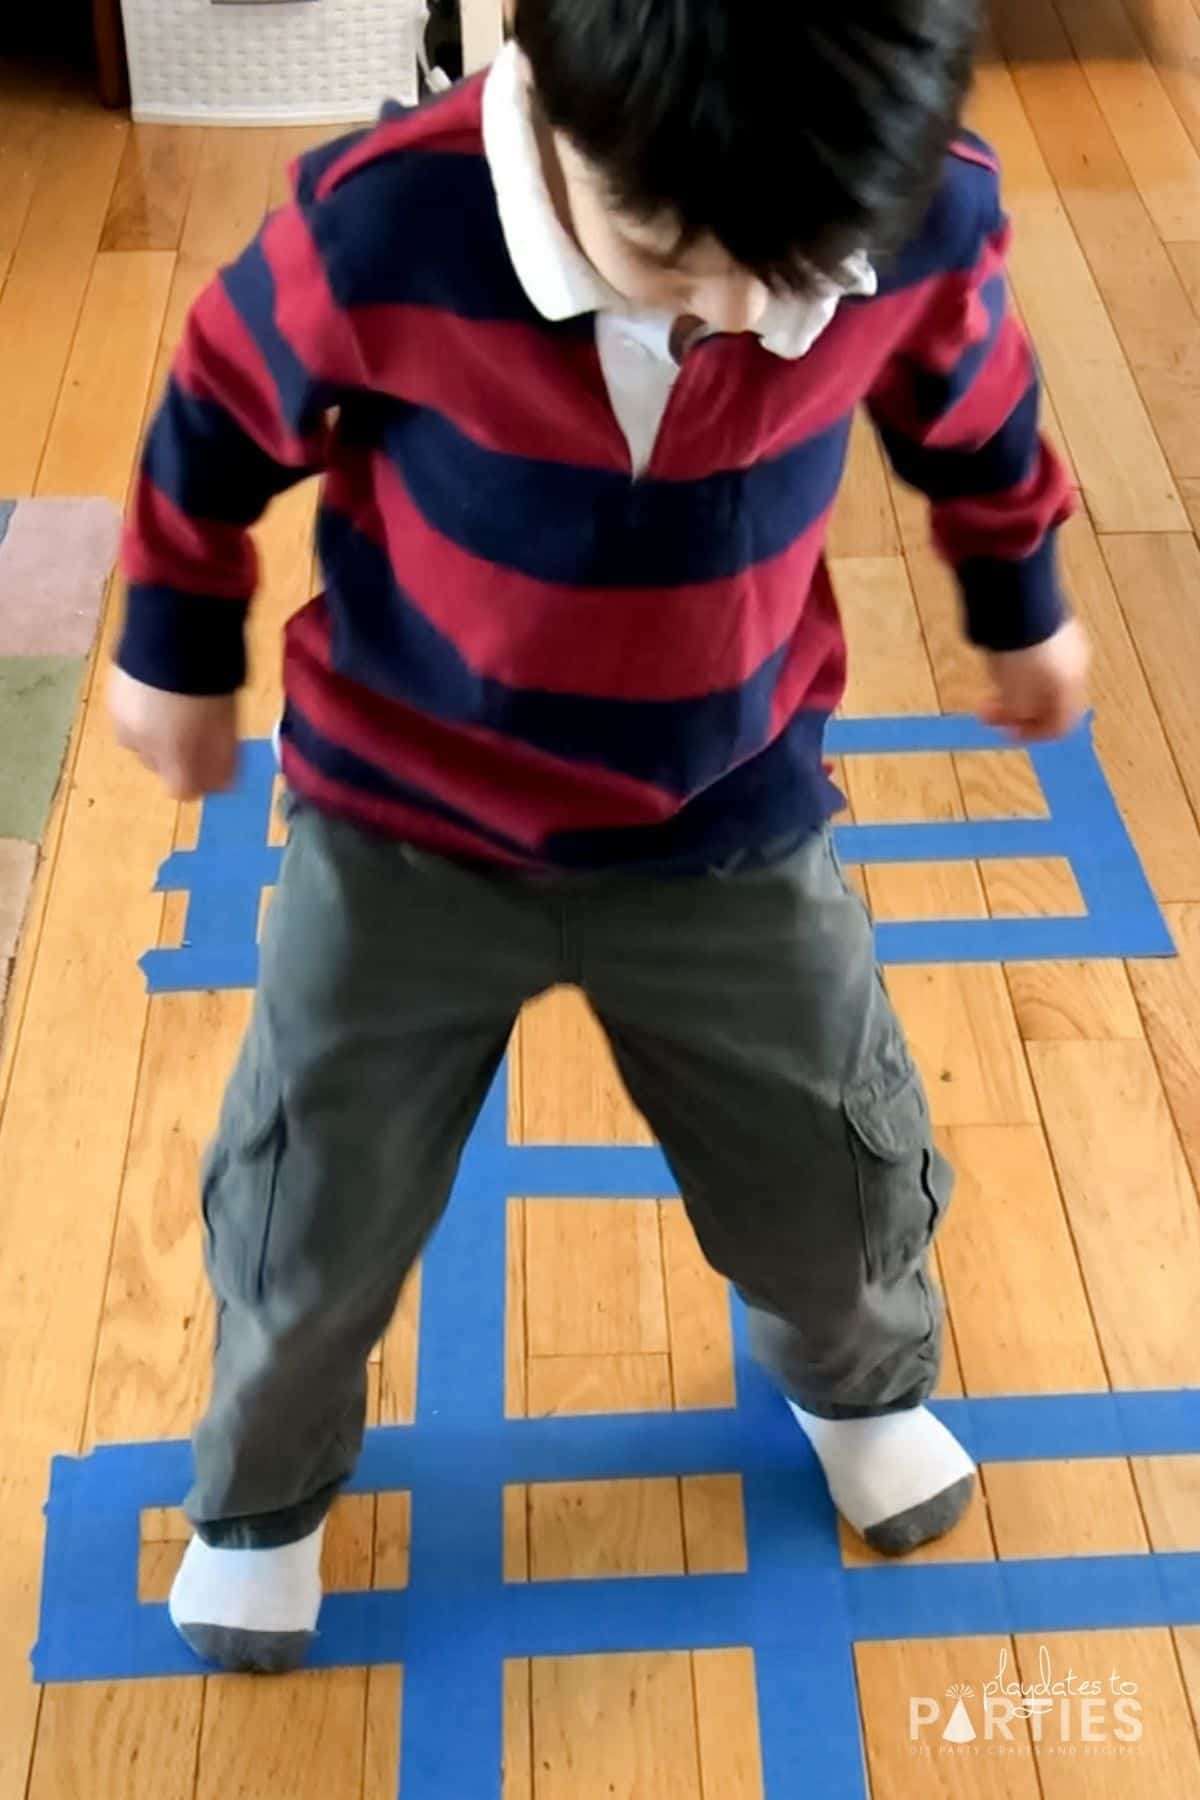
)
(796, 1606)
(225, 875)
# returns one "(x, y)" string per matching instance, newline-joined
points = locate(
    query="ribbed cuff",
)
(184, 643)
(1013, 605)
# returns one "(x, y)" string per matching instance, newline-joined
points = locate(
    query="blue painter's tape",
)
(627, 1173)
(195, 970)
(225, 871)
(908, 733)
(1021, 940)
(232, 862)
(1046, 1427)
(1046, 1594)
(952, 840)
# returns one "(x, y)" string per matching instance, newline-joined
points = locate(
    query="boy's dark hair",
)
(792, 131)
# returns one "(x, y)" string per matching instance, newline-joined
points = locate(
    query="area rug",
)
(55, 560)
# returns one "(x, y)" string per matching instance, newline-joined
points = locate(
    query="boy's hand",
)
(1041, 692)
(189, 741)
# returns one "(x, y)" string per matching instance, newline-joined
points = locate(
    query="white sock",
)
(250, 1590)
(891, 1467)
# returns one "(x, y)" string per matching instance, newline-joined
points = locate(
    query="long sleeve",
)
(957, 411)
(265, 355)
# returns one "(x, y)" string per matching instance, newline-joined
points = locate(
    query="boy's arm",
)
(266, 354)
(957, 411)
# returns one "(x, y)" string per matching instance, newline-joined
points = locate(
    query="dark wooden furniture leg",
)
(112, 68)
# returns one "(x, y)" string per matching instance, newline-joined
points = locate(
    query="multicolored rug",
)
(55, 559)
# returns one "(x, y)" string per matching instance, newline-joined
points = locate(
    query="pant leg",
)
(752, 1027)
(389, 985)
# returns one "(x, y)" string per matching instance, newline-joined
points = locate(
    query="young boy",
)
(577, 350)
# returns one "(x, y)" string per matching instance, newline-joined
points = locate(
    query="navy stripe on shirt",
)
(935, 393)
(383, 641)
(1011, 605)
(206, 465)
(459, 263)
(1004, 461)
(771, 802)
(964, 213)
(581, 527)
(766, 807)
(250, 284)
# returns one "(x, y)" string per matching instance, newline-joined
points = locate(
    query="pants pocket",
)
(903, 1182)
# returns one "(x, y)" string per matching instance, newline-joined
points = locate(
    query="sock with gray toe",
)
(900, 1479)
(249, 1610)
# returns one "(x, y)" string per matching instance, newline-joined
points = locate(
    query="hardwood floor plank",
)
(63, 1137)
(1157, 579)
(863, 521)
(1168, 993)
(98, 419)
(571, 1386)
(1130, 738)
(1124, 474)
(153, 188)
(1021, 1313)
(1164, 162)
(47, 279)
(1055, 1000)
(124, 1740)
(605, 1725)
(698, 1310)
(1148, 305)
(594, 1529)
(903, 1685)
(889, 667)
(152, 1364)
(1163, 1759)
(1170, 32)
(727, 1712)
(572, 1093)
(594, 1278)
(291, 1735)
(27, 125)
(1131, 1204)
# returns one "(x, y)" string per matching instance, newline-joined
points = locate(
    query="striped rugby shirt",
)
(523, 652)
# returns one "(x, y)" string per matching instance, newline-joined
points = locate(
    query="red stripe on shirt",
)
(1008, 526)
(164, 547)
(219, 361)
(511, 387)
(620, 643)
(991, 397)
(393, 817)
(524, 794)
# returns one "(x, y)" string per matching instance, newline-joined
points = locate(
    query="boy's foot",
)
(900, 1479)
(250, 1610)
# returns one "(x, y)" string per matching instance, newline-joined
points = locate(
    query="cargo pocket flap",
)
(888, 1115)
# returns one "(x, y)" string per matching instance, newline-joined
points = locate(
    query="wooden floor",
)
(1069, 1096)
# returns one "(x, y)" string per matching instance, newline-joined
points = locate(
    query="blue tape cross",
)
(225, 874)
(796, 1606)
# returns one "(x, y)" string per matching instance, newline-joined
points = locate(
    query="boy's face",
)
(643, 262)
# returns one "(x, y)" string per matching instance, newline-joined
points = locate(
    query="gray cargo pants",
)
(751, 1027)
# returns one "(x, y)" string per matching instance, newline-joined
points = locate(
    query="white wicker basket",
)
(307, 62)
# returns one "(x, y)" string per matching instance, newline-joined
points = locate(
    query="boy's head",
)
(714, 151)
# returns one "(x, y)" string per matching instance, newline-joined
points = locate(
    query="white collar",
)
(557, 278)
